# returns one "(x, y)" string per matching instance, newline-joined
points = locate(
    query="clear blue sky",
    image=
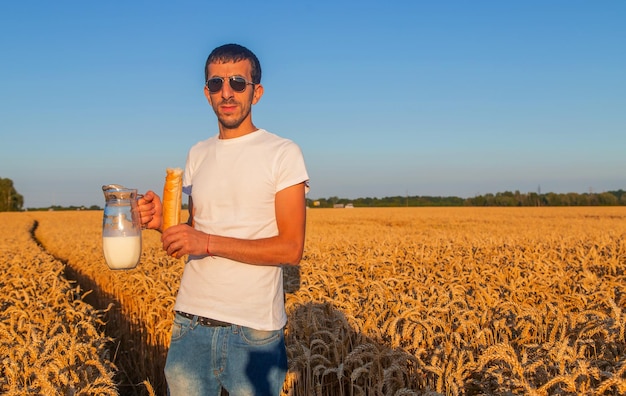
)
(385, 98)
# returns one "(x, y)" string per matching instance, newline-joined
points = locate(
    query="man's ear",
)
(258, 92)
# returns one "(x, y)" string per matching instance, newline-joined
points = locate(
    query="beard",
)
(234, 120)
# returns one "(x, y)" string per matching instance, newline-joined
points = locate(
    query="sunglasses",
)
(237, 83)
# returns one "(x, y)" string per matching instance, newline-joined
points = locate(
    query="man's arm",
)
(284, 248)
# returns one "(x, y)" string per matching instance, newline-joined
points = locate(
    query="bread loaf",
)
(172, 197)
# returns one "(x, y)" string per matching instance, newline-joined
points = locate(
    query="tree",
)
(607, 199)
(10, 200)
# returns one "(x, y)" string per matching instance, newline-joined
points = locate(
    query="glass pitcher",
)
(121, 227)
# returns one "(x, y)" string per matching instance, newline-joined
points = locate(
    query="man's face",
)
(233, 108)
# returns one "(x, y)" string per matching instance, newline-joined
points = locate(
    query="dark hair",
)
(234, 53)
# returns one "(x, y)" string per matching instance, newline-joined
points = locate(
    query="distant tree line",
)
(507, 198)
(11, 200)
(61, 208)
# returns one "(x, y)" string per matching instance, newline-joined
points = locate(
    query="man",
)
(246, 190)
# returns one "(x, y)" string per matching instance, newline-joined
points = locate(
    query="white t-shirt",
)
(233, 183)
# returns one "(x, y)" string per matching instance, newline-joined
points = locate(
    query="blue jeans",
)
(203, 360)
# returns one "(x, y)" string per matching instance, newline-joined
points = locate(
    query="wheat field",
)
(393, 301)
(51, 341)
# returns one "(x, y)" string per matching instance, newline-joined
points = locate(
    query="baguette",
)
(172, 197)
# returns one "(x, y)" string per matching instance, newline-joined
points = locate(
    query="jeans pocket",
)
(180, 327)
(259, 337)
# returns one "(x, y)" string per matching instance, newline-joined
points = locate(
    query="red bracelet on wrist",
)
(208, 240)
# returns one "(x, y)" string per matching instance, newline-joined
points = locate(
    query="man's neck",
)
(241, 130)
(228, 133)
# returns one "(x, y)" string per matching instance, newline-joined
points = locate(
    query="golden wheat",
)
(51, 341)
(386, 302)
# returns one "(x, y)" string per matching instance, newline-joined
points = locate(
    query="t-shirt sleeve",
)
(292, 169)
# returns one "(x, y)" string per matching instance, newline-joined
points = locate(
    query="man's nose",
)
(227, 91)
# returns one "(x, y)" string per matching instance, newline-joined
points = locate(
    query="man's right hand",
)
(150, 210)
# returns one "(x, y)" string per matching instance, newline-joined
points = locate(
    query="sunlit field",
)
(397, 301)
